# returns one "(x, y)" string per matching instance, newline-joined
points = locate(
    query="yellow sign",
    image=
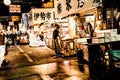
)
(15, 18)
(48, 4)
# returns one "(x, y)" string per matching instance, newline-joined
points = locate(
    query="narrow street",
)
(40, 63)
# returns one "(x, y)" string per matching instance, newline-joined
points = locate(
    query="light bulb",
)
(7, 2)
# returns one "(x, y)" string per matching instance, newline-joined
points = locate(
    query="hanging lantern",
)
(7, 2)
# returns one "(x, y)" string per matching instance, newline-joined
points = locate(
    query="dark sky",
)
(26, 5)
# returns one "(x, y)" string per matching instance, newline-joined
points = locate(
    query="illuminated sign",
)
(49, 4)
(14, 9)
(15, 18)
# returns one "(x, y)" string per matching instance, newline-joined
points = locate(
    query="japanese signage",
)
(61, 9)
(42, 15)
(66, 7)
(14, 8)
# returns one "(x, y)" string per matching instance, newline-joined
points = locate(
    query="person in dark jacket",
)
(56, 39)
(89, 29)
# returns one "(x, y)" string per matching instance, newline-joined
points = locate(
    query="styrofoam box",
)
(118, 37)
(98, 40)
(114, 38)
(107, 37)
(113, 32)
(101, 33)
(81, 40)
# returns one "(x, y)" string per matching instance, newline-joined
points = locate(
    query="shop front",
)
(72, 20)
(75, 33)
(41, 20)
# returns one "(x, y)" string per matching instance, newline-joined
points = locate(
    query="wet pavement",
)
(41, 63)
(66, 70)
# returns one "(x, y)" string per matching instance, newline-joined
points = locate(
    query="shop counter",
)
(68, 47)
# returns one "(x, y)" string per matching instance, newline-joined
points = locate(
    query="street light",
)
(7, 2)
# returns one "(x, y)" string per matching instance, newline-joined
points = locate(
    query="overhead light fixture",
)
(7, 2)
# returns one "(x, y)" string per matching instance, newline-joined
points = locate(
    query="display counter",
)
(68, 47)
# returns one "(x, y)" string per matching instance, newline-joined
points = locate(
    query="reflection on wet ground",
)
(47, 66)
(62, 70)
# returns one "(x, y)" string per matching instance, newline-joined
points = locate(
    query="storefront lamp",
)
(7, 2)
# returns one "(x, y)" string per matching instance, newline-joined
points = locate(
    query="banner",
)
(42, 15)
(66, 7)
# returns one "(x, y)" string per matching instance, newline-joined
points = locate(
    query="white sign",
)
(42, 15)
(66, 7)
(62, 8)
